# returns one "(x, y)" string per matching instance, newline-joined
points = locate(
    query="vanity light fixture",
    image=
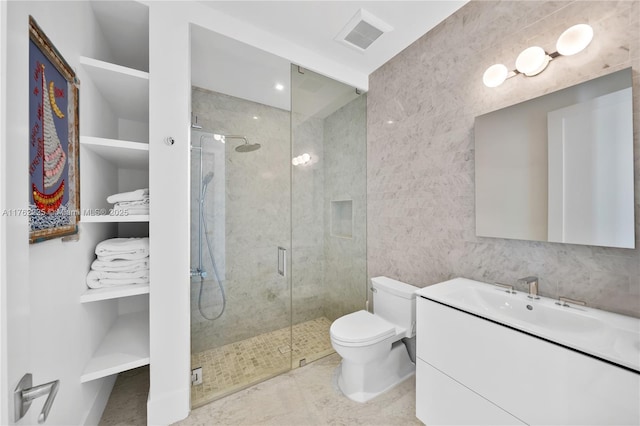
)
(301, 160)
(533, 60)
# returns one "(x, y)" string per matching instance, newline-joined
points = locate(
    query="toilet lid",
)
(361, 326)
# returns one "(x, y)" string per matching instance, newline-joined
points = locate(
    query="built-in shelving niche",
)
(114, 157)
(125, 346)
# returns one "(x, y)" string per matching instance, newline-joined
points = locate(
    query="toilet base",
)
(362, 382)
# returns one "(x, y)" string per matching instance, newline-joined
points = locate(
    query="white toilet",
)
(374, 359)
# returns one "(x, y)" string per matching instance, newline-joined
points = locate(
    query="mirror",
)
(559, 167)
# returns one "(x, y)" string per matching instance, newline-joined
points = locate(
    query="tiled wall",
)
(420, 172)
(345, 167)
(307, 256)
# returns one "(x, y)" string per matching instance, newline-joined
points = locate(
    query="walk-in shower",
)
(261, 208)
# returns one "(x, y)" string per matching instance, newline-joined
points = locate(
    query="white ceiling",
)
(314, 24)
(228, 66)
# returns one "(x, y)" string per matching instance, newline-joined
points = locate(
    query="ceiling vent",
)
(362, 30)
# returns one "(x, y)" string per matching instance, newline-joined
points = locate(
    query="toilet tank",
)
(395, 301)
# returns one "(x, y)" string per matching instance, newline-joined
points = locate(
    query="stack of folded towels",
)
(121, 261)
(133, 202)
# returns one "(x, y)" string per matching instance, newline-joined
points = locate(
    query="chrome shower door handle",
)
(282, 261)
(25, 393)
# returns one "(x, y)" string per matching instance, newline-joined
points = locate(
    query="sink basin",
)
(534, 313)
(611, 337)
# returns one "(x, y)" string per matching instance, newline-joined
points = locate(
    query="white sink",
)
(606, 335)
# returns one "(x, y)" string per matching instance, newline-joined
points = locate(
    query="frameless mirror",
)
(559, 167)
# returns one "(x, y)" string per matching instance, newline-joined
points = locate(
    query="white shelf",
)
(124, 154)
(125, 346)
(125, 89)
(96, 294)
(114, 219)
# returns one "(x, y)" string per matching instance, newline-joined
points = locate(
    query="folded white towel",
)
(119, 204)
(94, 280)
(123, 248)
(120, 265)
(123, 256)
(138, 194)
(119, 275)
(131, 210)
(122, 245)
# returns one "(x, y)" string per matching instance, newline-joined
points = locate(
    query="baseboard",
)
(94, 414)
(168, 408)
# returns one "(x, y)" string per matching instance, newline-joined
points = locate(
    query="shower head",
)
(207, 178)
(245, 147)
(205, 183)
(248, 147)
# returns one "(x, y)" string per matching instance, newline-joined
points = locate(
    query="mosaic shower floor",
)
(235, 366)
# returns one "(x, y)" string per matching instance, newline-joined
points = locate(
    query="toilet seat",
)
(361, 328)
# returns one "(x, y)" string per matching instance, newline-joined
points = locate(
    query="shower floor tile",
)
(235, 366)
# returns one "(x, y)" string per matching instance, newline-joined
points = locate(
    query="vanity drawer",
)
(440, 400)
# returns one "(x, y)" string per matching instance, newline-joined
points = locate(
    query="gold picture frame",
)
(54, 181)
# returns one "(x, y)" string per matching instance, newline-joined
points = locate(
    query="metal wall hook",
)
(25, 393)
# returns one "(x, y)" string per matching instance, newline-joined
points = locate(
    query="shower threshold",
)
(238, 365)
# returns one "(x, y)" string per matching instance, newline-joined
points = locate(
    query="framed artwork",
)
(54, 183)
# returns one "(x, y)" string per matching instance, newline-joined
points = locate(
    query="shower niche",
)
(342, 219)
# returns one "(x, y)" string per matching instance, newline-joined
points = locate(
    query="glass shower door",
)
(329, 273)
(241, 308)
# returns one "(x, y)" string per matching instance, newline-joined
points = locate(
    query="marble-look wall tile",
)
(420, 168)
(345, 169)
(307, 197)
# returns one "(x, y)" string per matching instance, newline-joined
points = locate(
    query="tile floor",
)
(300, 397)
(235, 366)
(128, 401)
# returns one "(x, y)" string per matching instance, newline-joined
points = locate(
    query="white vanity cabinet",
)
(471, 370)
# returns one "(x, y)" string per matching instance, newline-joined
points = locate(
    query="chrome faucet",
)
(533, 286)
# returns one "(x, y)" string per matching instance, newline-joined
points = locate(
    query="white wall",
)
(169, 115)
(62, 333)
(4, 379)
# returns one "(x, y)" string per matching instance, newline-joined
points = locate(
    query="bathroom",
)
(420, 213)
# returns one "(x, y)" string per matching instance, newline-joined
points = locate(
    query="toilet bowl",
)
(374, 357)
